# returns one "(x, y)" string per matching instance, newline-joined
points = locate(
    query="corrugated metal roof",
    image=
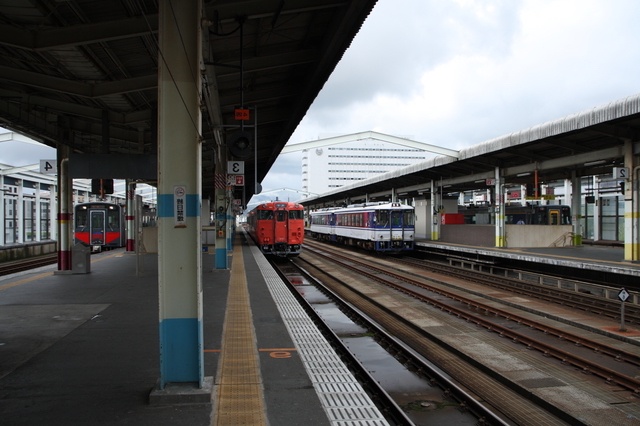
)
(555, 148)
(69, 64)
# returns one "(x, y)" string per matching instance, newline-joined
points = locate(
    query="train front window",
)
(81, 218)
(295, 214)
(265, 214)
(281, 215)
(408, 218)
(382, 219)
(554, 217)
(113, 219)
(396, 219)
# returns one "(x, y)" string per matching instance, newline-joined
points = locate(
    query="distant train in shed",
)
(388, 227)
(524, 215)
(99, 225)
(277, 228)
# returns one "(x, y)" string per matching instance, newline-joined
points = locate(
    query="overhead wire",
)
(184, 103)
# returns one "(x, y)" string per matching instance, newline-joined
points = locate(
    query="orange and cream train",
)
(277, 228)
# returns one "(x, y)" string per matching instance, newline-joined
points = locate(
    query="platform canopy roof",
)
(84, 73)
(586, 143)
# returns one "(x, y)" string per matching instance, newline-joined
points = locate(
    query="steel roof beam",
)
(76, 35)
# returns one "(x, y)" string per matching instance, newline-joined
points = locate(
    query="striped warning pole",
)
(130, 217)
(64, 217)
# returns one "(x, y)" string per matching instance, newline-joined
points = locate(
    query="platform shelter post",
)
(179, 193)
(65, 209)
(130, 189)
(501, 239)
(631, 245)
(220, 214)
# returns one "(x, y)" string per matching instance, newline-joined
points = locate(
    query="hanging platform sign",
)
(235, 167)
(49, 167)
(242, 114)
(235, 180)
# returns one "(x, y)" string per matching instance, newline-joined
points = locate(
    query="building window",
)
(29, 207)
(10, 216)
(45, 220)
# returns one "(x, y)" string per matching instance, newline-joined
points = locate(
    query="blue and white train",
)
(373, 226)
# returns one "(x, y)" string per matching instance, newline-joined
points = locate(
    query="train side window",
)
(382, 218)
(113, 219)
(539, 219)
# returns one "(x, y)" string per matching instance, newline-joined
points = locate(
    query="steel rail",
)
(7, 268)
(586, 302)
(384, 401)
(609, 375)
(411, 357)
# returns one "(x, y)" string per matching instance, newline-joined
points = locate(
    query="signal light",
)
(102, 186)
(239, 144)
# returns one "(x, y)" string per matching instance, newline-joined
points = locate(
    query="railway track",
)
(8, 268)
(462, 307)
(413, 361)
(583, 301)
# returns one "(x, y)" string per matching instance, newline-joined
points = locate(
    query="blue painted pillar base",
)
(181, 351)
(221, 258)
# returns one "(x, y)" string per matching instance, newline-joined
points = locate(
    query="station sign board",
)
(235, 180)
(49, 167)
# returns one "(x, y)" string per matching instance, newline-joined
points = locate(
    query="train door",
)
(281, 229)
(396, 228)
(295, 226)
(97, 227)
(554, 217)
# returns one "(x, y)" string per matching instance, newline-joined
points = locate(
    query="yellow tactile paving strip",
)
(239, 397)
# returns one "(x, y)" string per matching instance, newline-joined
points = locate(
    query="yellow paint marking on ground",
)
(116, 254)
(259, 350)
(25, 280)
(46, 274)
(239, 399)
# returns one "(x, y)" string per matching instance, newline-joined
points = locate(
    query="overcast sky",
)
(456, 73)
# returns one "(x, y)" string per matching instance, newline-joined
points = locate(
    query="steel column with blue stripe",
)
(179, 193)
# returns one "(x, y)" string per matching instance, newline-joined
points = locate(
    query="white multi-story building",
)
(329, 167)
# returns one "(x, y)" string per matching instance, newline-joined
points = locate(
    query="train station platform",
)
(83, 350)
(609, 259)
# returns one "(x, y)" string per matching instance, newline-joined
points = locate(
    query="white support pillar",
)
(3, 229)
(19, 223)
(595, 184)
(65, 210)
(37, 215)
(631, 252)
(435, 212)
(220, 214)
(53, 207)
(501, 238)
(179, 193)
(576, 207)
(130, 189)
(229, 224)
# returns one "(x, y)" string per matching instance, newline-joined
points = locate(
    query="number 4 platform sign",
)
(49, 167)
